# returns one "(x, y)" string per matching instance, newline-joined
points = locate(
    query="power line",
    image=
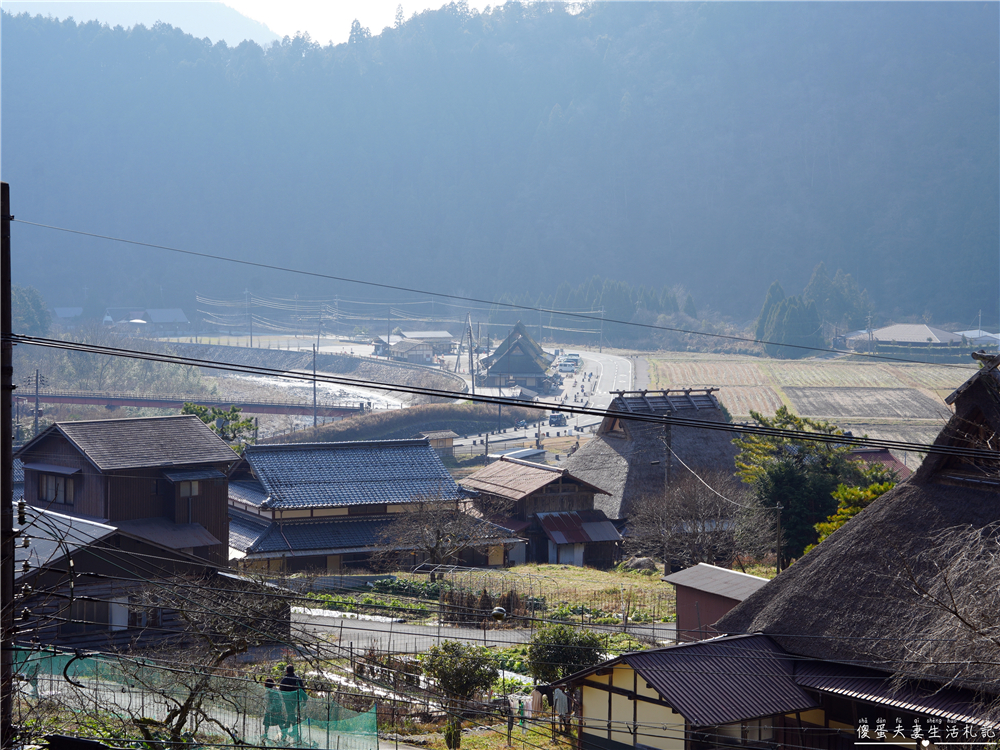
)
(462, 298)
(760, 431)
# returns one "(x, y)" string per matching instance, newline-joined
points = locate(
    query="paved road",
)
(611, 372)
(412, 638)
(401, 636)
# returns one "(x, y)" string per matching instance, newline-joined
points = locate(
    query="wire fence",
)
(120, 694)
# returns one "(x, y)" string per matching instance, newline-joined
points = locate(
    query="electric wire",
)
(443, 295)
(835, 439)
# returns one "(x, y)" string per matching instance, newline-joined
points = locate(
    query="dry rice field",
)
(892, 401)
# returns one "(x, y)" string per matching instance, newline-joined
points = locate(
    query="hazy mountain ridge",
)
(717, 146)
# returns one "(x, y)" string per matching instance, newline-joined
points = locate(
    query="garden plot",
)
(865, 403)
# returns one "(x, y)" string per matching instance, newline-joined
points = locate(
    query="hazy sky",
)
(327, 20)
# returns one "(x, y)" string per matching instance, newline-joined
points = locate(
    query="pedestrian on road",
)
(274, 710)
(293, 694)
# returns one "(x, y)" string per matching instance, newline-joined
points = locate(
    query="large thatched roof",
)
(629, 459)
(853, 599)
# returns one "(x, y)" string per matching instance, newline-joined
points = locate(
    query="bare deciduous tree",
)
(952, 588)
(437, 532)
(710, 518)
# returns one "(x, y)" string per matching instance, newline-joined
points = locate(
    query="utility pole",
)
(319, 328)
(472, 349)
(388, 331)
(6, 483)
(315, 349)
(600, 346)
(777, 563)
(249, 316)
(35, 433)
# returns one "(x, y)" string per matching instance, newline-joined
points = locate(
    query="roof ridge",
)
(126, 419)
(532, 464)
(262, 447)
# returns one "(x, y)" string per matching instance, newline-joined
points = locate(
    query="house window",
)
(54, 488)
(189, 489)
(142, 616)
(85, 616)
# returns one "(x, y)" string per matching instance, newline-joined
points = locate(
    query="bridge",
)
(176, 401)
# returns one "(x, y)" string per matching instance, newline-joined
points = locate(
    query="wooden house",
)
(96, 602)
(518, 360)
(159, 478)
(327, 506)
(549, 506)
(414, 352)
(631, 459)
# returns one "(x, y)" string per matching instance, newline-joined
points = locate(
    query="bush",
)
(559, 651)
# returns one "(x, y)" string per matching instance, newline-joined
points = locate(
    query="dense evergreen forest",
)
(712, 147)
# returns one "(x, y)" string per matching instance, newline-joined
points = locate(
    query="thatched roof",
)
(630, 459)
(852, 598)
(518, 353)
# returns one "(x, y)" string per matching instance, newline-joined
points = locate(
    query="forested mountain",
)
(718, 146)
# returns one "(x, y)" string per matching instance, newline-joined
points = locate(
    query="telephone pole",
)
(6, 482)
(315, 421)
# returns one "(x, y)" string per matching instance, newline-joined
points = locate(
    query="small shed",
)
(443, 441)
(704, 594)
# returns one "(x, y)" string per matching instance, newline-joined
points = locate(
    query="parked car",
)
(557, 420)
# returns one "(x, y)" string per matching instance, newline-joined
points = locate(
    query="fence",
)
(115, 694)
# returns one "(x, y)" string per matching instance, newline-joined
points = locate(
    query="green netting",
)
(232, 709)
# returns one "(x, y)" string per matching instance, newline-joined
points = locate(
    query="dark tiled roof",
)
(168, 534)
(718, 681)
(711, 579)
(343, 535)
(248, 491)
(332, 537)
(311, 475)
(53, 536)
(954, 705)
(244, 531)
(151, 441)
(724, 679)
(17, 472)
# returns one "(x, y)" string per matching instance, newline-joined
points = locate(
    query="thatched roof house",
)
(631, 459)
(518, 358)
(856, 597)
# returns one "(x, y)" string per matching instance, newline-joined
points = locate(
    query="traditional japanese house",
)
(631, 459)
(518, 360)
(159, 478)
(327, 506)
(551, 507)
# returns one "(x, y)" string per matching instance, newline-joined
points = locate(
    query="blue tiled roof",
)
(342, 535)
(364, 472)
(17, 471)
(248, 491)
(333, 537)
(244, 532)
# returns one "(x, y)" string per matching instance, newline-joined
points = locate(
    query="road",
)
(611, 372)
(410, 638)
